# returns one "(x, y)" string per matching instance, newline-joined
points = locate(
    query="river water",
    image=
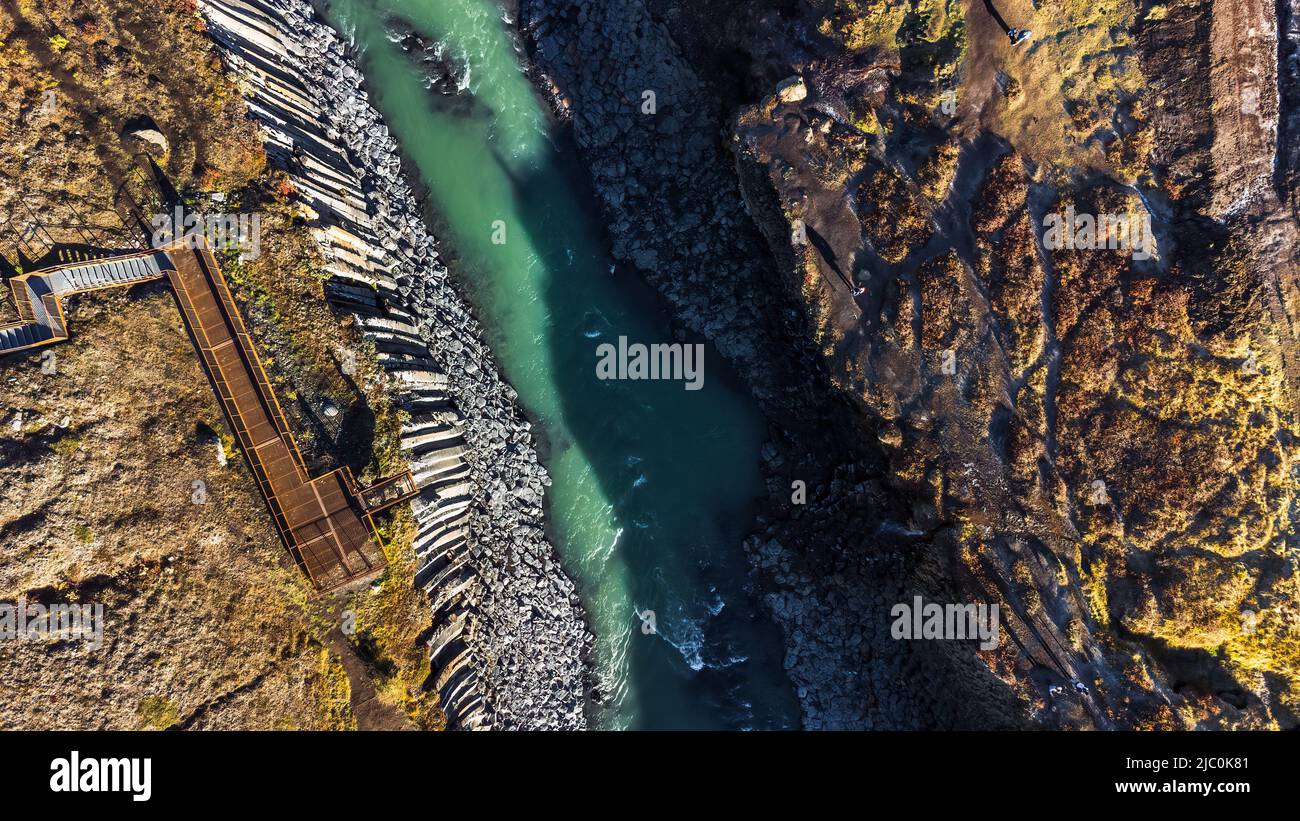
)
(654, 485)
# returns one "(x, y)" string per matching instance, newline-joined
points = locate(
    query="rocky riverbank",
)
(650, 127)
(508, 641)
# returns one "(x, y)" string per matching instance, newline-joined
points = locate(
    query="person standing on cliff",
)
(1017, 36)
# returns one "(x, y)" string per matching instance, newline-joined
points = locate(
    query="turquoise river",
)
(654, 485)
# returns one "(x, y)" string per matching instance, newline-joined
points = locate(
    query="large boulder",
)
(146, 130)
(792, 89)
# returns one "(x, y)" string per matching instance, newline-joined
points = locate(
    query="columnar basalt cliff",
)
(1096, 434)
(507, 637)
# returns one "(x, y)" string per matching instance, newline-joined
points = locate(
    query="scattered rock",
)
(792, 90)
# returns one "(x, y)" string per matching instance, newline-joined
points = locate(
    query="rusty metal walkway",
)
(326, 522)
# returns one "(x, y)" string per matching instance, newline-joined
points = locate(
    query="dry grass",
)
(209, 622)
(1076, 72)
(108, 72)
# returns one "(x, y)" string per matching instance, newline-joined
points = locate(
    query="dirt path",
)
(370, 712)
(989, 52)
(983, 61)
(1243, 85)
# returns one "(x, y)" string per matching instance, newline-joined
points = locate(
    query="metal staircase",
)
(37, 295)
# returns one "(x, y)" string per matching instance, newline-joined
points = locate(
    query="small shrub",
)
(67, 446)
(158, 712)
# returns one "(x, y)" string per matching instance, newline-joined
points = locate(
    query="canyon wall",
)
(1097, 439)
(645, 100)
